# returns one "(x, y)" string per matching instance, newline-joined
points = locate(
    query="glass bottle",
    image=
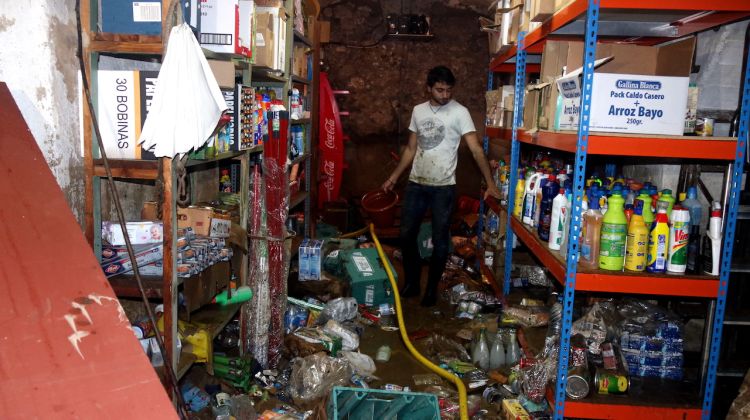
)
(497, 352)
(481, 354)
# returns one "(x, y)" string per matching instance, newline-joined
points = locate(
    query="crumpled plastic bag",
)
(341, 309)
(187, 102)
(362, 364)
(349, 339)
(315, 375)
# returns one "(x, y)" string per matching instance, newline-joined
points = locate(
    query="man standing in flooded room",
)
(436, 129)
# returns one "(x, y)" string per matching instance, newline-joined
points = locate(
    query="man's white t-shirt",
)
(438, 137)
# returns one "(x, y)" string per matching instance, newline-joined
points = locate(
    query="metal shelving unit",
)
(625, 18)
(163, 287)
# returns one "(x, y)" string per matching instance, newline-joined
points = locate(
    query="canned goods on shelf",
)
(612, 383)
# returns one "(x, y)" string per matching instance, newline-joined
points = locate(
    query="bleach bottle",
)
(558, 220)
(637, 243)
(529, 201)
(614, 233)
(549, 193)
(658, 242)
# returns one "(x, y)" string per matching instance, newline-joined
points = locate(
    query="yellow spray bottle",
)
(518, 199)
(637, 245)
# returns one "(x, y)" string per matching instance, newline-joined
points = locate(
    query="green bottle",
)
(648, 215)
(614, 234)
(239, 295)
(666, 196)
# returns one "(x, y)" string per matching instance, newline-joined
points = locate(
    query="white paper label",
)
(146, 11)
(362, 264)
(628, 103)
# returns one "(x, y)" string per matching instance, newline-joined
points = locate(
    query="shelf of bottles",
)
(645, 242)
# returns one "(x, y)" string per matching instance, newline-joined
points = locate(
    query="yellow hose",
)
(462, 402)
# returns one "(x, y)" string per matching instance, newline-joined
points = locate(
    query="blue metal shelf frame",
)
(726, 253)
(571, 263)
(485, 147)
(590, 38)
(514, 156)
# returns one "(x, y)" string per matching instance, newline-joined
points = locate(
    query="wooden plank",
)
(66, 340)
(125, 168)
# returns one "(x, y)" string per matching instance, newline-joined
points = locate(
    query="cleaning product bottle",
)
(637, 244)
(658, 242)
(558, 220)
(647, 214)
(512, 352)
(592, 233)
(666, 196)
(543, 181)
(566, 225)
(712, 242)
(518, 200)
(529, 200)
(679, 234)
(613, 235)
(241, 294)
(549, 193)
(694, 242)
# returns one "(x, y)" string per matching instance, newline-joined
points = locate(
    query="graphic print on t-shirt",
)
(431, 133)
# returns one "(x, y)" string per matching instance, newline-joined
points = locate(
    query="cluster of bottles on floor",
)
(493, 351)
(626, 224)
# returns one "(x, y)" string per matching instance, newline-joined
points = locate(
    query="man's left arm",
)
(476, 150)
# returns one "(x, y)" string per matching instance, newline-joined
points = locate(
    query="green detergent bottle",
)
(648, 215)
(614, 234)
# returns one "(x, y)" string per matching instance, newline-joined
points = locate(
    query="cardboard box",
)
(299, 61)
(206, 221)
(124, 265)
(223, 72)
(640, 90)
(123, 100)
(542, 10)
(226, 26)
(270, 37)
(140, 233)
(130, 17)
(513, 410)
(533, 102)
(264, 38)
(310, 259)
(366, 273)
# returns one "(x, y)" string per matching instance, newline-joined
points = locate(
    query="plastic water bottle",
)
(497, 352)
(481, 353)
(512, 353)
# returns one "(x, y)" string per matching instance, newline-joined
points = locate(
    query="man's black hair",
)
(440, 74)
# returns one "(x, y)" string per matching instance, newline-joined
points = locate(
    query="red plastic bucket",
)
(381, 207)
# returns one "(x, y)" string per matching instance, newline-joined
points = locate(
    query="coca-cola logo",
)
(330, 129)
(329, 168)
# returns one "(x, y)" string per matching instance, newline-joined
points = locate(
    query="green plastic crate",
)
(367, 275)
(372, 404)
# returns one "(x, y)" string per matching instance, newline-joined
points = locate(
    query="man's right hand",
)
(388, 185)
